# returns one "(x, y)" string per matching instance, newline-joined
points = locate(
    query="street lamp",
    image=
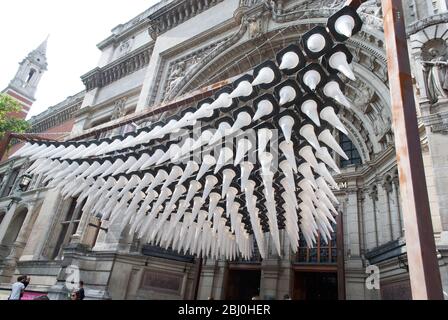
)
(24, 182)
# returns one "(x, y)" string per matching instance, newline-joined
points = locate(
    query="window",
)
(30, 75)
(2, 215)
(323, 253)
(11, 181)
(68, 227)
(350, 150)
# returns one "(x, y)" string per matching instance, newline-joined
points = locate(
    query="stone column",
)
(24, 233)
(373, 193)
(42, 227)
(387, 187)
(397, 202)
(7, 221)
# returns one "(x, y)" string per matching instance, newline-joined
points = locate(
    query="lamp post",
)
(421, 250)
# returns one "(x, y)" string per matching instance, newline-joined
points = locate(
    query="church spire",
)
(43, 46)
(23, 86)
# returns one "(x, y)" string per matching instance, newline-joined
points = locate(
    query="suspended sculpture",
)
(243, 187)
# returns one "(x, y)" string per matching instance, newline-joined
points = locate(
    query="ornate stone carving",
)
(173, 14)
(435, 68)
(181, 68)
(365, 96)
(118, 69)
(119, 109)
(373, 192)
(387, 183)
(125, 47)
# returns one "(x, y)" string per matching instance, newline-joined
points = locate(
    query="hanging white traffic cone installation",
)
(214, 206)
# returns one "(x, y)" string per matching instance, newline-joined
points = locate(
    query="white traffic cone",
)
(136, 166)
(246, 169)
(156, 156)
(307, 153)
(244, 89)
(244, 145)
(228, 176)
(309, 107)
(193, 189)
(316, 43)
(323, 171)
(307, 173)
(203, 112)
(175, 173)
(287, 171)
(173, 150)
(224, 157)
(265, 76)
(210, 183)
(224, 101)
(198, 202)
(266, 159)
(191, 168)
(185, 149)
(333, 90)
(264, 136)
(338, 61)
(230, 198)
(307, 132)
(178, 192)
(207, 162)
(325, 188)
(243, 120)
(223, 129)
(345, 25)
(286, 124)
(204, 139)
(213, 203)
(264, 108)
(290, 60)
(311, 79)
(327, 138)
(331, 117)
(288, 150)
(161, 176)
(287, 94)
(325, 156)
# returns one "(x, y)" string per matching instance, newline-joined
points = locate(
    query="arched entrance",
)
(14, 227)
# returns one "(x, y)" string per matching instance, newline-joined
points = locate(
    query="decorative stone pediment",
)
(175, 13)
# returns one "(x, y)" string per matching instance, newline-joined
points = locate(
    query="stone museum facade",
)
(179, 52)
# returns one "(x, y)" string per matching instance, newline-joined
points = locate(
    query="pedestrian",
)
(73, 295)
(286, 297)
(17, 289)
(80, 291)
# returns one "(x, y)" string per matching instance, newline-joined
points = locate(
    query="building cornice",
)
(126, 65)
(175, 13)
(424, 23)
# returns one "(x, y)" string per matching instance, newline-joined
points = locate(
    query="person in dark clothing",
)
(80, 292)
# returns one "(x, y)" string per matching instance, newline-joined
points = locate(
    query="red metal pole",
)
(4, 142)
(421, 250)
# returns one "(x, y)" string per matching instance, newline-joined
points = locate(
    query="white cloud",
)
(75, 28)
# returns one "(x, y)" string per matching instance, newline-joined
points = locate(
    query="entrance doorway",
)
(315, 286)
(243, 284)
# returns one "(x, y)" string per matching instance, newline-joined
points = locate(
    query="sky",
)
(74, 29)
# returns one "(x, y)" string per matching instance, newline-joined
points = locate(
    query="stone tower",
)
(24, 85)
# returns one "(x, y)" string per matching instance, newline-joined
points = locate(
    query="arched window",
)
(30, 75)
(68, 226)
(350, 150)
(2, 215)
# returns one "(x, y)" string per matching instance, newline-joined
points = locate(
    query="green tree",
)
(8, 123)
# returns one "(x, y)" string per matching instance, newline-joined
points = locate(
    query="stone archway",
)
(368, 121)
(15, 226)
